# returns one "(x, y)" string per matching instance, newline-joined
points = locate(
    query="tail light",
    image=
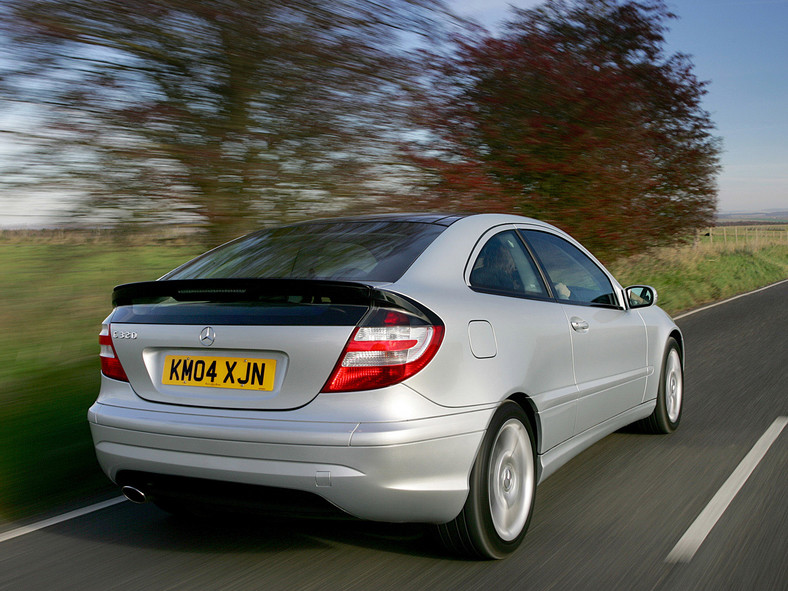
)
(386, 348)
(110, 364)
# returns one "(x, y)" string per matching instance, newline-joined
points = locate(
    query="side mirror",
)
(641, 296)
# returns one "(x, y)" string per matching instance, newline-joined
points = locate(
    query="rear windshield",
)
(352, 251)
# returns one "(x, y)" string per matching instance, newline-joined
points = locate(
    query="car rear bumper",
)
(400, 471)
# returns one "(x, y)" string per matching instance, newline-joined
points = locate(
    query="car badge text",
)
(123, 334)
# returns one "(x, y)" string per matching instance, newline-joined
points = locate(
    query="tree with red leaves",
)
(576, 116)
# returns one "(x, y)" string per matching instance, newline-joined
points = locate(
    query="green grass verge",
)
(689, 277)
(55, 295)
(56, 291)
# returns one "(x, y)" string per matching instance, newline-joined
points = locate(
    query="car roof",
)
(441, 219)
(437, 218)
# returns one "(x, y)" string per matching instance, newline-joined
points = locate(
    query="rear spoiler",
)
(239, 291)
(257, 292)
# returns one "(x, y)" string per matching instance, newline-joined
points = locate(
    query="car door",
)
(524, 329)
(608, 341)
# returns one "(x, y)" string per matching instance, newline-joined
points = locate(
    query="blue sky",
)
(741, 48)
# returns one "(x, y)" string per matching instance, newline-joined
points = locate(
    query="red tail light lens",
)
(388, 347)
(110, 364)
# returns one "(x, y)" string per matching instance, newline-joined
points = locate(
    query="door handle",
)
(579, 324)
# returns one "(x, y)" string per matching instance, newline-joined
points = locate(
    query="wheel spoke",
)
(673, 386)
(511, 480)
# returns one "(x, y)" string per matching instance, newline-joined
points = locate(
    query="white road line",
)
(689, 543)
(691, 312)
(21, 531)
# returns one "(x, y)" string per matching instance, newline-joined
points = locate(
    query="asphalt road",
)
(606, 520)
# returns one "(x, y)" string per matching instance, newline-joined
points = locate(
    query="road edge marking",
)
(27, 529)
(692, 539)
(741, 295)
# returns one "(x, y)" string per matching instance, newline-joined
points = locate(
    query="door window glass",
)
(573, 276)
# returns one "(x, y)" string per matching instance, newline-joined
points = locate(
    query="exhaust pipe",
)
(135, 495)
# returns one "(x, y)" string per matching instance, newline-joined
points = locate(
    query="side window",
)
(574, 276)
(504, 266)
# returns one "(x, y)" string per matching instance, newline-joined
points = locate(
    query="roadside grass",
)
(56, 291)
(689, 276)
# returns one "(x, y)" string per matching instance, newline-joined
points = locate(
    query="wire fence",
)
(758, 235)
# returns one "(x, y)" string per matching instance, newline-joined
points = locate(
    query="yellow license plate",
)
(219, 372)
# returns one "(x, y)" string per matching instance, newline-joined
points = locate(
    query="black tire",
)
(500, 502)
(670, 394)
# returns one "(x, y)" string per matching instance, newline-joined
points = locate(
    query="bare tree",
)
(225, 111)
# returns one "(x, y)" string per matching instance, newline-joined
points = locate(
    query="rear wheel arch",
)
(502, 485)
(528, 406)
(676, 334)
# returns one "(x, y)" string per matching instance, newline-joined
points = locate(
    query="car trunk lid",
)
(234, 343)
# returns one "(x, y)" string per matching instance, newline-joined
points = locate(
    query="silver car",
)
(401, 368)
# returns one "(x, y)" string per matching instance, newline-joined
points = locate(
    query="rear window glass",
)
(369, 251)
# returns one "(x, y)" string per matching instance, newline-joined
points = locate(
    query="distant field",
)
(56, 291)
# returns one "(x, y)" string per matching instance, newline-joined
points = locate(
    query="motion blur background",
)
(135, 134)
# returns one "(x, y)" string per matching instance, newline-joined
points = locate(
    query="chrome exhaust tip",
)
(135, 495)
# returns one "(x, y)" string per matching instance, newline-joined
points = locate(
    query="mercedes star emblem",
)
(207, 336)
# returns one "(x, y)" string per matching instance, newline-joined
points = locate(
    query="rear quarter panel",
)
(533, 350)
